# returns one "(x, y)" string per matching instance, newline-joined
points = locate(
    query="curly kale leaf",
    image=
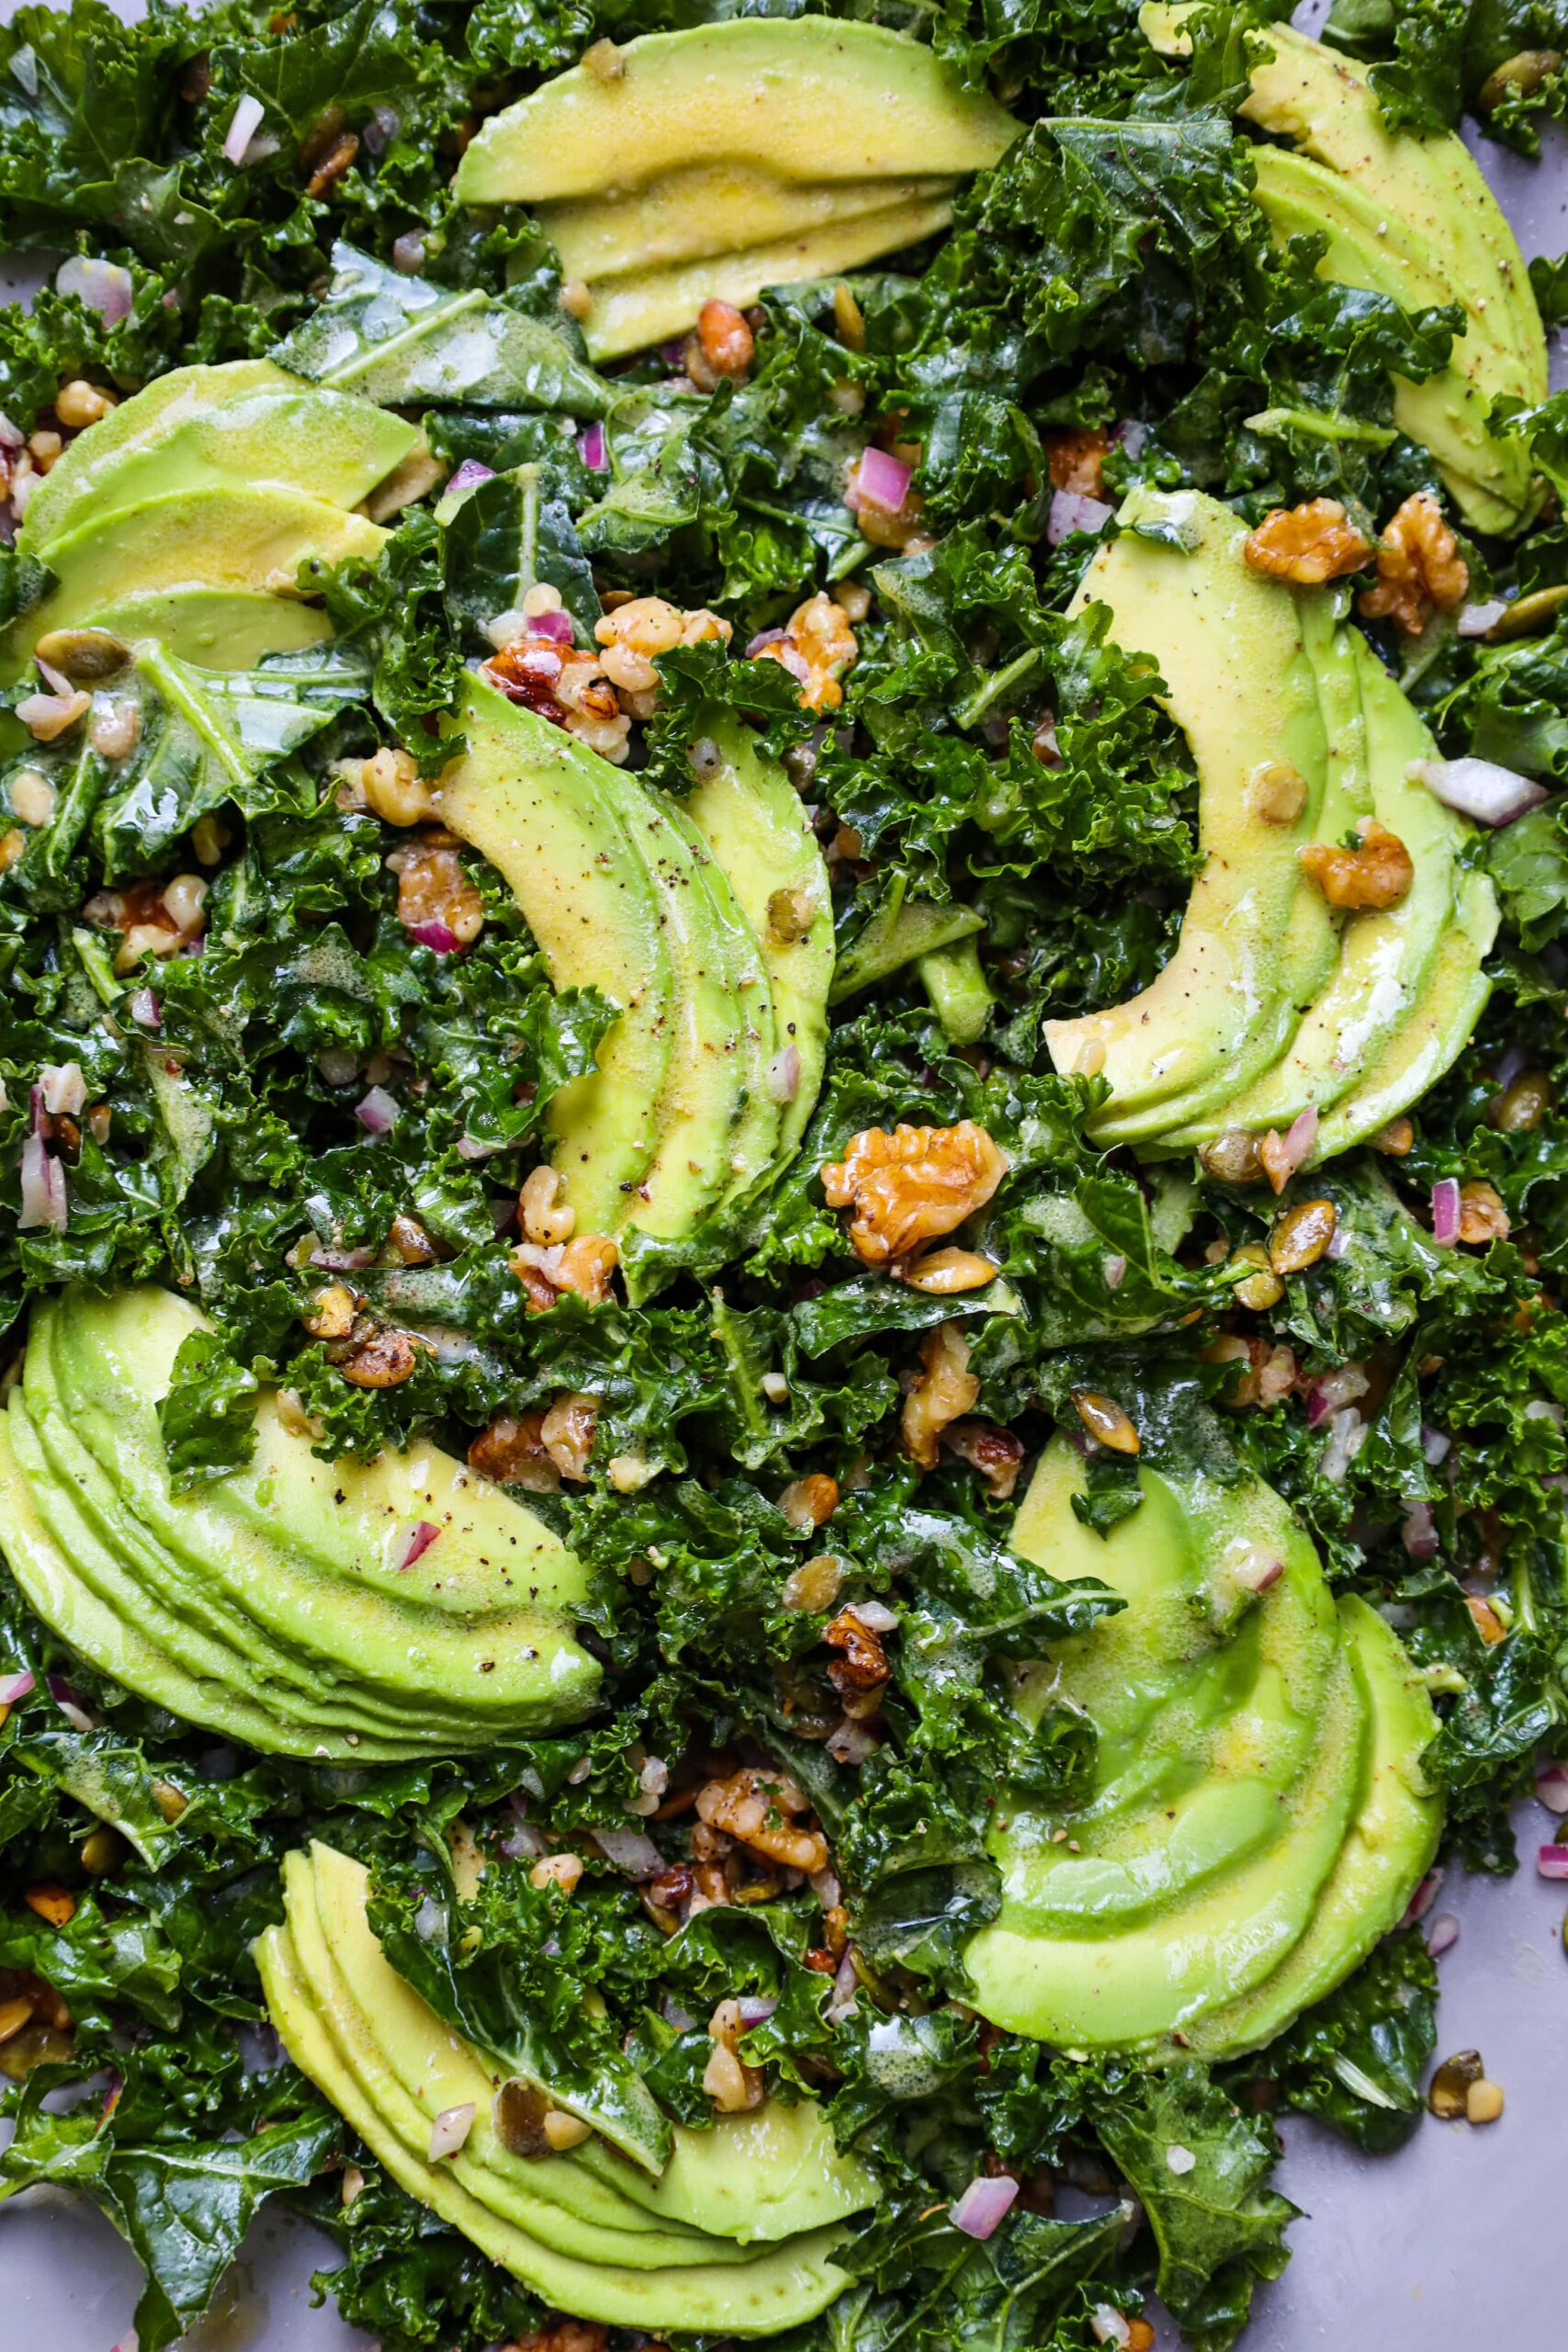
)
(1356, 2061)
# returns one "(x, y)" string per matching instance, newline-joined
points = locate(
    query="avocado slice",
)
(204, 428)
(1205, 1696)
(1384, 958)
(704, 209)
(214, 539)
(216, 628)
(1163, 1972)
(1388, 1851)
(649, 306)
(1240, 683)
(756, 828)
(808, 98)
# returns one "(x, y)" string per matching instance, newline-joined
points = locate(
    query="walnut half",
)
(909, 1187)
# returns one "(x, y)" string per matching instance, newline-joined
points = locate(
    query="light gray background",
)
(1449, 2246)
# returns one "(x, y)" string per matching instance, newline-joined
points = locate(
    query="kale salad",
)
(784, 939)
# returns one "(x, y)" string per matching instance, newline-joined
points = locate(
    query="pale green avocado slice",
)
(807, 99)
(1229, 646)
(415, 2068)
(782, 2289)
(756, 826)
(1384, 958)
(186, 1613)
(1449, 413)
(649, 306)
(459, 1629)
(214, 539)
(556, 821)
(216, 628)
(1161, 1974)
(51, 1585)
(1205, 1696)
(260, 430)
(1386, 1853)
(1432, 1034)
(704, 209)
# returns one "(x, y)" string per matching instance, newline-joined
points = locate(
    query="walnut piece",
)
(635, 634)
(1482, 1215)
(565, 685)
(911, 1186)
(1076, 454)
(1375, 874)
(817, 648)
(1271, 1372)
(995, 1455)
(584, 1265)
(753, 1806)
(432, 888)
(1420, 569)
(568, 1432)
(513, 1452)
(1309, 543)
(944, 1393)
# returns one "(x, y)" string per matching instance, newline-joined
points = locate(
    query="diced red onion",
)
(763, 637)
(1072, 511)
(883, 481)
(669, 2009)
(19, 1685)
(1445, 1212)
(845, 1986)
(851, 1743)
(824, 1885)
(57, 682)
(590, 449)
(556, 625)
(1551, 1786)
(422, 1535)
(382, 128)
(783, 1075)
(103, 286)
(1106, 2325)
(11, 435)
(408, 253)
(1479, 789)
(984, 2205)
(523, 1844)
(1444, 1935)
(631, 1850)
(1434, 1446)
(144, 1010)
(1331, 1390)
(343, 1261)
(1115, 1272)
(1131, 434)
(1509, 1064)
(44, 1204)
(1422, 1900)
(1474, 620)
(755, 2009)
(1345, 1434)
(53, 713)
(63, 1087)
(71, 1704)
(1551, 1861)
(377, 1114)
(244, 124)
(439, 937)
(468, 1148)
(450, 2130)
(469, 473)
(874, 1615)
(1419, 1534)
(1258, 1573)
(1299, 1137)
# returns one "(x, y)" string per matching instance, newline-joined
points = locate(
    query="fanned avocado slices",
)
(1258, 1816)
(765, 2197)
(285, 1604)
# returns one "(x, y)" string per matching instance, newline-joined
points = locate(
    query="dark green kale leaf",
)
(929, 2286)
(1357, 2060)
(408, 2279)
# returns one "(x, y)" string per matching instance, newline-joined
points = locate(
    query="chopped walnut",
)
(583, 1265)
(817, 648)
(391, 785)
(720, 345)
(912, 1186)
(1482, 1215)
(635, 634)
(810, 1501)
(1420, 569)
(434, 889)
(384, 1359)
(565, 685)
(996, 1455)
(1076, 454)
(1271, 1372)
(944, 1393)
(865, 1665)
(1310, 544)
(513, 1452)
(753, 1807)
(730, 2084)
(1374, 875)
(568, 1432)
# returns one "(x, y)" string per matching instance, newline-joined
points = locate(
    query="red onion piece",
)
(1551, 1861)
(1434, 1446)
(377, 1115)
(1423, 1899)
(763, 637)
(470, 1148)
(343, 1261)
(1445, 1212)
(1479, 789)
(845, 1984)
(1131, 434)
(669, 2009)
(1300, 1138)
(851, 1743)
(11, 435)
(244, 124)
(55, 680)
(439, 937)
(1474, 620)
(1070, 512)
(983, 2206)
(1346, 1433)
(884, 481)
(53, 713)
(469, 473)
(1258, 1573)
(1338, 1241)
(555, 624)
(631, 1850)
(44, 1204)
(1115, 1272)
(17, 1685)
(783, 1075)
(1551, 1786)
(1444, 1935)
(408, 253)
(381, 129)
(874, 1615)
(754, 2010)
(1419, 1534)
(63, 1087)
(144, 1010)
(103, 286)
(1331, 1390)
(590, 449)
(422, 1535)
(450, 2130)
(71, 1704)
